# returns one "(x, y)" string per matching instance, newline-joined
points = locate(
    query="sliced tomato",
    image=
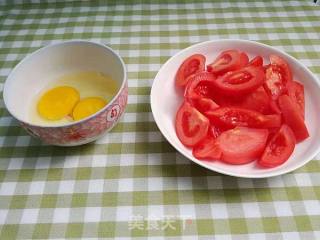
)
(214, 131)
(240, 82)
(279, 148)
(227, 61)
(292, 117)
(274, 107)
(284, 67)
(200, 85)
(244, 59)
(192, 65)
(191, 125)
(272, 132)
(258, 100)
(265, 67)
(207, 149)
(204, 104)
(296, 93)
(229, 117)
(278, 75)
(256, 62)
(242, 145)
(223, 100)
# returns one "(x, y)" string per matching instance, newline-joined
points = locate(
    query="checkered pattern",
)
(95, 191)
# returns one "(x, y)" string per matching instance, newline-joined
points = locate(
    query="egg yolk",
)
(87, 107)
(58, 102)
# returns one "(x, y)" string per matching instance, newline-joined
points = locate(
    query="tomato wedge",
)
(242, 145)
(200, 85)
(279, 148)
(227, 61)
(256, 62)
(296, 93)
(257, 100)
(229, 117)
(292, 117)
(240, 82)
(191, 126)
(207, 149)
(204, 104)
(244, 59)
(274, 107)
(278, 75)
(214, 131)
(192, 65)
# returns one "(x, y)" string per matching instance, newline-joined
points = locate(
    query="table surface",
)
(132, 183)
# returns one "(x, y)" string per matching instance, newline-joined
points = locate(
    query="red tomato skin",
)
(228, 60)
(296, 93)
(240, 82)
(242, 145)
(204, 104)
(192, 65)
(186, 116)
(230, 117)
(207, 149)
(256, 62)
(244, 59)
(292, 117)
(200, 85)
(279, 148)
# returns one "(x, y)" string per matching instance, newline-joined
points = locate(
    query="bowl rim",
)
(67, 42)
(203, 164)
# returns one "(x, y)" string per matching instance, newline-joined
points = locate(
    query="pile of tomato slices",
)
(238, 111)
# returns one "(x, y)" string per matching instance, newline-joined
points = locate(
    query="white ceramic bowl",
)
(165, 100)
(36, 70)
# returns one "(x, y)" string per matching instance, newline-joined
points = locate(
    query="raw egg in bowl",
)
(69, 93)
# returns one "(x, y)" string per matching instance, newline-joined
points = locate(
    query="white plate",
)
(165, 100)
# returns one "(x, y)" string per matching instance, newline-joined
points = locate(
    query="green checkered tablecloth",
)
(132, 183)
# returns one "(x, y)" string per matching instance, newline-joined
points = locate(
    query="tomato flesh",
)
(207, 149)
(229, 117)
(284, 67)
(242, 145)
(240, 82)
(200, 85)
(278, 75)
(227, 61)
(204, 104)
(279, 148)
(190, 66)
(292, 117)
(256, 62)
(274, 107)
(191, 125)
(296, 93)
(214, 131)
(257, 100)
